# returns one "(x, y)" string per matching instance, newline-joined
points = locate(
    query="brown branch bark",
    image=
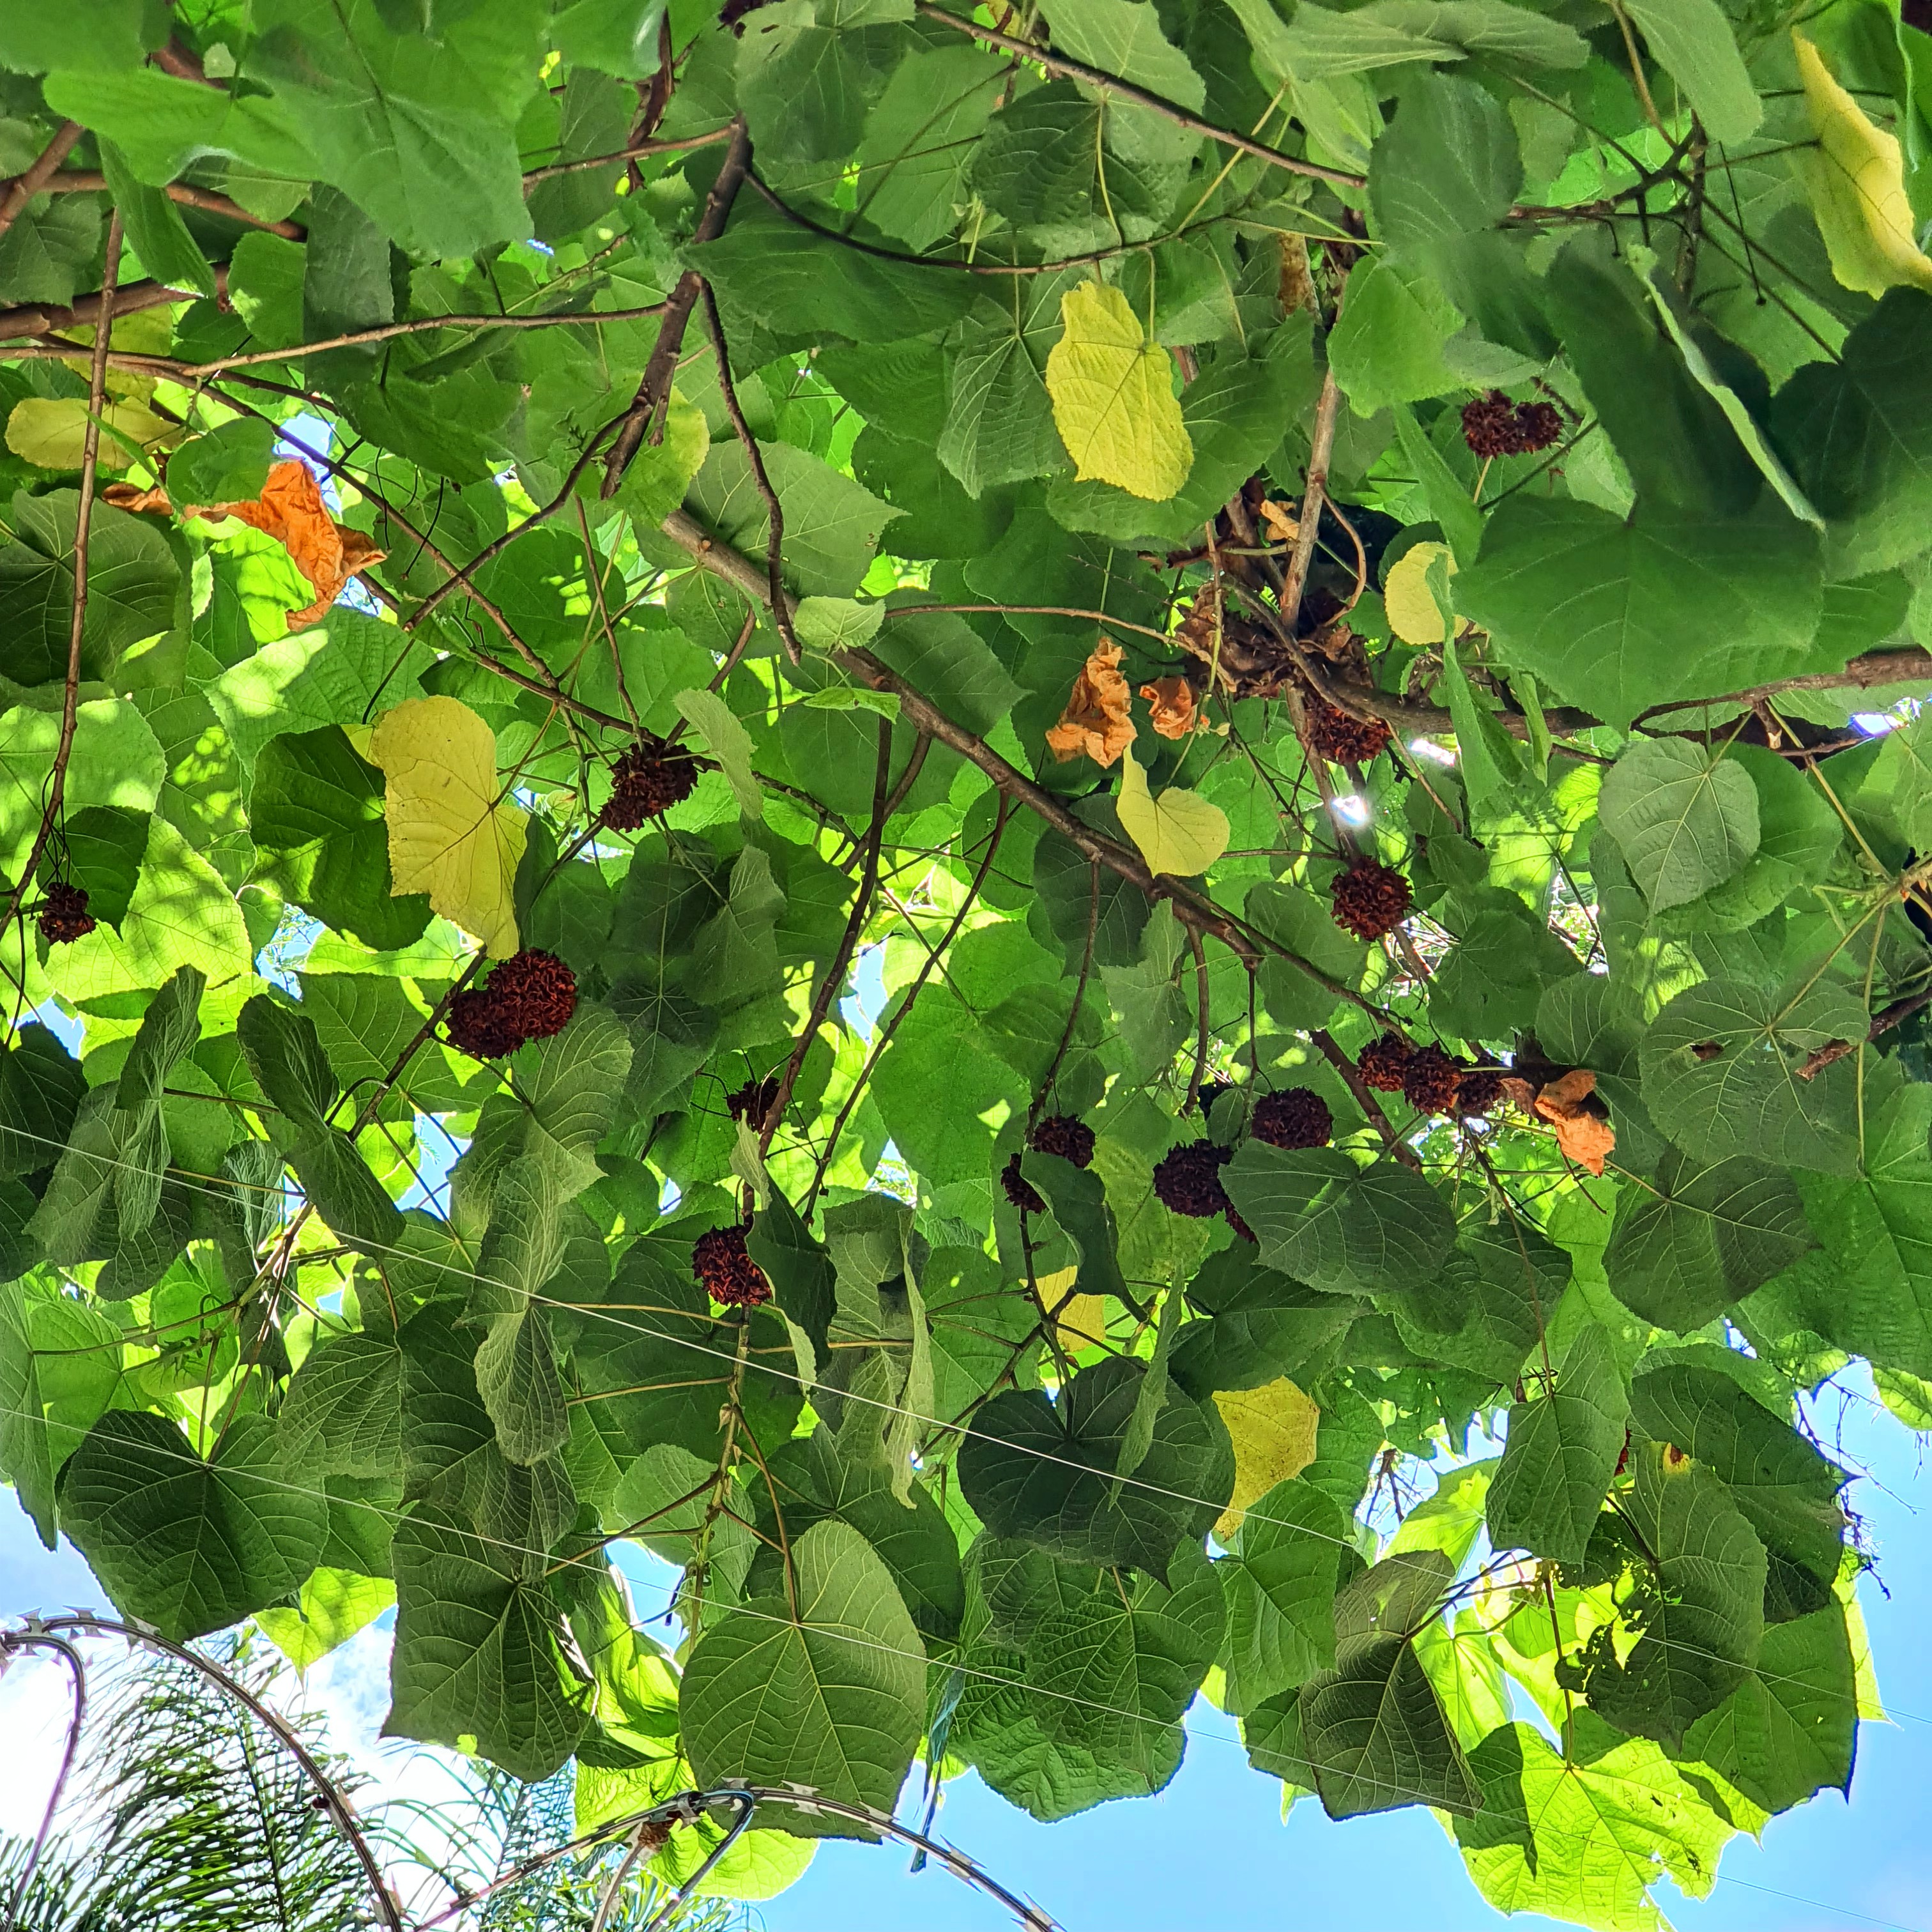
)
(1882, 1022)
(23, 188)
(1321, 448)
(90, 457)
(88, 180)
(654, 390)
(44, 319)
(774, 513)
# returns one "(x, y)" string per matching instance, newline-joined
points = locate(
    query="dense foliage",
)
(968, 812)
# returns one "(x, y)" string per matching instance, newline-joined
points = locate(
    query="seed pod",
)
(1369, 899)
(1382, 1062)
(720, 1260)
(1297, 1116)
(1070, 1139)
(1188, 1180)
(64, 917)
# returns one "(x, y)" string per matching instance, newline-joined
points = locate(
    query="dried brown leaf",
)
(1096, 720)
(1172, 702)
(290, 509)
(1582, 1132)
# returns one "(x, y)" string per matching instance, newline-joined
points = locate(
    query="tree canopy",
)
(991, 816)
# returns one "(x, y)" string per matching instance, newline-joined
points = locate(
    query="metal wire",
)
(687, 1808)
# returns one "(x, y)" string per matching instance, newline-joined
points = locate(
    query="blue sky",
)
(1212, 1850)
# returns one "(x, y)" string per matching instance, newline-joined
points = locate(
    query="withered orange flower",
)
(1283, 526)
(1583, 1136)
(1096, 720)
(290, 509)
(1172, 700)
(133, 497)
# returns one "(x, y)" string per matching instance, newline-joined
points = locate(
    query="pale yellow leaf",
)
(1113, 398)
(1082, 1323)
(1413, 615)
(452, 832)
(51, 432)
(1855, 179)
(1272, 1429)
(1179, 832)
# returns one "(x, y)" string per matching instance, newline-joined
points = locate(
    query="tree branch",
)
(97, 391)
(23, 188)
(654, 390)
(774, 513)
(89, 181)
(918, 711)
(1322, 444)
(41, 319)
(1123, 90)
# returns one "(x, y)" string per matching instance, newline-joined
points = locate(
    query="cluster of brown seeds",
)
(530, 996)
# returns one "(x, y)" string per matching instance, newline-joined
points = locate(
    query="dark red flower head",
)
(64, 917)
(1369, 899)
(1071, 1139)
(1382, 1062)
(720, 1260)
(651, 777)
(1432, 1079)
(1188, 1180)
(537, 992)
(1020, 1191)
(1297, 1116)
(479, 1023)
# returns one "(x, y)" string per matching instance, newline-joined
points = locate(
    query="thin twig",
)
(774, 513)
(23, 188)
(905, 1007)
(1322, 444)
(33, 1640)
(642, 417)
(388, 331)
(1200, 1072)
(842, 960)
(1052, 1075)
(1155, 103)
(90, 456)
(636, 152)
(88, 180)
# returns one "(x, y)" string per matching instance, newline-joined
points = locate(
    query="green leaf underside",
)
(1015, 947)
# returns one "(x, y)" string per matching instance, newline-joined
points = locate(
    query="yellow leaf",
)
(1411, 604)
(1082, 1322)
(451, 834)
(1855, 179)
(51, 431)
(1113, 398)
(1179, 832)
(1273, 1433)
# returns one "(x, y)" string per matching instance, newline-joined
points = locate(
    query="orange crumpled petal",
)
(133, 497)
(1283, 526)
(290, 509)
(1172, 700)
(1096, 720)
(1585, 1138)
